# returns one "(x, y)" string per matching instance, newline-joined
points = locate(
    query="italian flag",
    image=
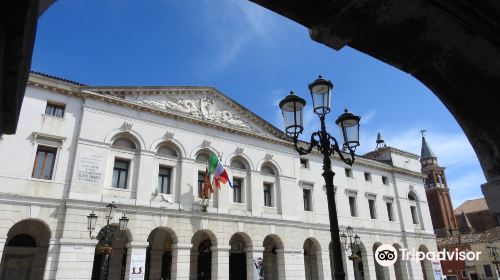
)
(216, 169)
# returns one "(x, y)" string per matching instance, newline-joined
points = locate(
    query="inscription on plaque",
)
(90, 168)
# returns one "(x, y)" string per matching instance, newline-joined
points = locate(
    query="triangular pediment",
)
(201, 103)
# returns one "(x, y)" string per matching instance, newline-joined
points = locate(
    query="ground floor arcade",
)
(44, 242)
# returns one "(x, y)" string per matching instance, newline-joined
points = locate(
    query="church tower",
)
(438, 195)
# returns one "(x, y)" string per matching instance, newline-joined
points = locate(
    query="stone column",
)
(491, 192)
(220, 262)
(369, 266)
(76, 259)
(253, 253)
(139, 249)
(2, 246)
(50, 264)
(181, 258)
(324, 270)
(348, 267)
(291, 264)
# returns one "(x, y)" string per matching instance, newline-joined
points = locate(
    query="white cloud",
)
(367, 117)
(465, 187)
(231, 26)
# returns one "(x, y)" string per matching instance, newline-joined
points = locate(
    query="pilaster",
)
(181, 256)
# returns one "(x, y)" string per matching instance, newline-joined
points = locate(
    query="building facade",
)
(79, 148)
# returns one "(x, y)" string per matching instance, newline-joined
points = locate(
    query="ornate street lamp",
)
(493, 251)
(105, 234)
(351, 244)
(292, 109)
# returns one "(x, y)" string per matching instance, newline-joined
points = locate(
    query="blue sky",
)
(255, 57)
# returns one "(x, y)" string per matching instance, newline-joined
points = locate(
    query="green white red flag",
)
(216, 168)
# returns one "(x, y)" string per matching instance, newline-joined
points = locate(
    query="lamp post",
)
(292, 109)
(353, 244)
(493, 250)
(105, 234)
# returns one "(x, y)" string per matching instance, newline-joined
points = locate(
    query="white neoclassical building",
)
(79, 148)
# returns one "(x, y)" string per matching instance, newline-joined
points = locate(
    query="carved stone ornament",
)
(126, 126)
(168, 135)
(268, 157)
(203, 108)
(206, 144)
(239, 151)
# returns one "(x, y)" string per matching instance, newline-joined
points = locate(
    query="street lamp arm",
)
(312, 143)
(335, 147)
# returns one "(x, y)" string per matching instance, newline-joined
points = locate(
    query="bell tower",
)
(437, 191)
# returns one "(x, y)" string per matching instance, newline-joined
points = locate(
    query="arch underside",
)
(452, 47)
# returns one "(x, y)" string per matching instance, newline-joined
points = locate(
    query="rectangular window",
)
(348, 172)
(237, 183)
(267, 194)
(371, 206)
(385, 180)
(306, 194)
(414, 216)
(120, 174)
(201, 183)
(451, 277)
(44, 162)
(304, 163)
(389, 211)
(487, 270)
(54, 110)
(164, 179)
(368, 176)
(352, 205)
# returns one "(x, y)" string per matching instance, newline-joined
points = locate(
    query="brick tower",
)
(438, 195)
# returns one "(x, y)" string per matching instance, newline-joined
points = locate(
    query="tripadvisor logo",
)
(387, 255)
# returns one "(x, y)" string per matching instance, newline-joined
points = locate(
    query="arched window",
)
(167, 150)
(412, 197)
(238, 163)
(267, 170)
(123, 142)
(203, 156)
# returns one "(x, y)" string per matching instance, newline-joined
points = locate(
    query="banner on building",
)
(436, 269)
(258, 269)
(137, 267)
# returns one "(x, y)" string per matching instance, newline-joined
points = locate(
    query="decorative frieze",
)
(204, 108)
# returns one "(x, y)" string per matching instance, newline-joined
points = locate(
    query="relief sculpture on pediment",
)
(203, 108)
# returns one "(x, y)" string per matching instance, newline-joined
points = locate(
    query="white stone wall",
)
(88, 130)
